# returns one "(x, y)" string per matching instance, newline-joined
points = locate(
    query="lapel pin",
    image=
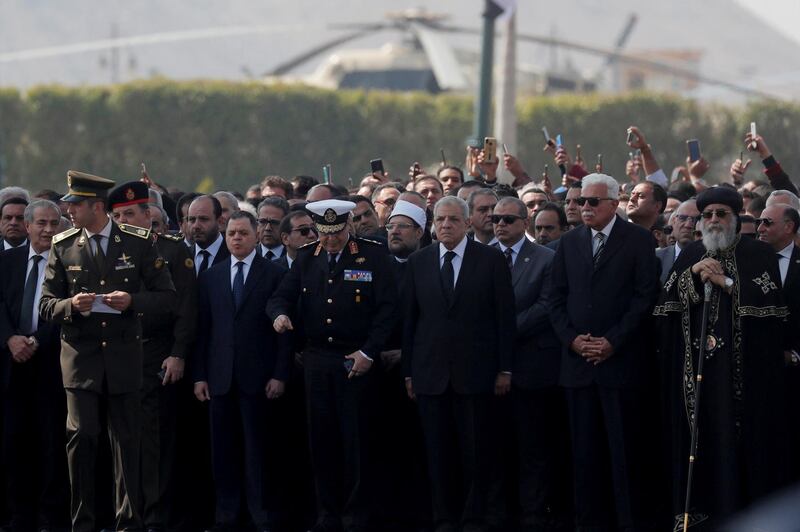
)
(116, 239)
(527, 259)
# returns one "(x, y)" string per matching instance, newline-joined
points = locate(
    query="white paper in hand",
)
(99, 306)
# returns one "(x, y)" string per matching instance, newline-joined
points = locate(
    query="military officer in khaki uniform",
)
(100, 279)
(167, 336)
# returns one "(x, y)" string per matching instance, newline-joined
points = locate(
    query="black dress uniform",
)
(101, 353)
(165, 332)
(346, 303)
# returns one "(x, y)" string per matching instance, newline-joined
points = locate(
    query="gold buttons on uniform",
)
(330, 339)
(330, 281)
(102, 282)
(304, 290)
(104, 343)
(126, 279)
(103, 324)
(329, 321)
(330, 301)
(358, 291)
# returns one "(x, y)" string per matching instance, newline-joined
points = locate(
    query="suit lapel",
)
(113, 249)
(466, 270)
(16, 285)
(794, 268)
(253, 277)
(522, 263)
(613, 243)
(586, 243)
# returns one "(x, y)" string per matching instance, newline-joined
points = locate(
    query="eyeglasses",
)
(401, 227)
(357, 217)
(721, 213)
(685, 218)
(544, 227)
(305, 230)
(593, 201)
(270, 221)
(507, 219)
(766, 221)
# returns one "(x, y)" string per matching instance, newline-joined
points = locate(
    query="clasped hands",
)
(594, 349)
(710, 270)
(118, 300)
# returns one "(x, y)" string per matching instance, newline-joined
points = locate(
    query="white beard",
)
(715, 240)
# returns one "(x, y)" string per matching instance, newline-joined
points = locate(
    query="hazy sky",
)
(783, 14)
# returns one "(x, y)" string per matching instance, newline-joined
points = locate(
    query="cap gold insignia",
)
(130, 194)
(117, 239)
(159, 263)
(330, 216)
(361, 260)
(189, 263)
(353, 248)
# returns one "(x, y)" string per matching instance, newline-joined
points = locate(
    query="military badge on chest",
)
(124, 263)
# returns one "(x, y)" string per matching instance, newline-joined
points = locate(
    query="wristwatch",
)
(728, 282)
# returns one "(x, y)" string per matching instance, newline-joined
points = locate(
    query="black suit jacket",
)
(464, 343)
(14, 265)
(613, 300)
(239, 345)
(537, 353)
(791, 295)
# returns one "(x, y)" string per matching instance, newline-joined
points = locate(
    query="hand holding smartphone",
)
(693, 145)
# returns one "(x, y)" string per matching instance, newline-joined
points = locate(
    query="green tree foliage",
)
(236, 133)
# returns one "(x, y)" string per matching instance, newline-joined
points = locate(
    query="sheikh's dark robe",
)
(741, 447)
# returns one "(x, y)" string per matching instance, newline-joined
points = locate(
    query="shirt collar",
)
(277, 250)
(248, 260)
(44, 254)
(516, 247)
(459, 249)
(787, 251)
(605, 230)
(105, 231)
(213, 248)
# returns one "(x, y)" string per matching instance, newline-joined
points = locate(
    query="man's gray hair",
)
(230, 198)
(479, 192)
(451, 201)
(14, 192)
(518, 203)
(391, 184)
(783, 196)
(39, 204)
(596, 179)
(164, 217)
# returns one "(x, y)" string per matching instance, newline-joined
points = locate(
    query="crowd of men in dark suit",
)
(442, 354)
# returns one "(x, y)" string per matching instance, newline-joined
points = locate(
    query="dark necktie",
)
(204, 264)
(270, 255)
(99, 256)
(601, 242)
(238, 285)
(509, 253)
(448, 274)
(331, 262)
(28, 295)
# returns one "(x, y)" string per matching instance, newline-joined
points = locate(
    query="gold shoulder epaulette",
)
(141, 232)
(174, 237)
(65, 234)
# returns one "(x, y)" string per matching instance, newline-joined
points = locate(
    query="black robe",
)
(741, 448)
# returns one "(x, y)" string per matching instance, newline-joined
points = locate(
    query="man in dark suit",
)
(205, 224)
(240, 363)
(605, 282)
(683, 222)
(33, 397)
(778, 227)
(539, 407)
(12, 223)
(457, 351)
(271, 211)
(342, 289)
(100, 278)
(296, 230)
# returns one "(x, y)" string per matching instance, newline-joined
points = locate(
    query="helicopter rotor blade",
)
(296, 61)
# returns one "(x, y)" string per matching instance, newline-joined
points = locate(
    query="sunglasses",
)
(507, 219)
(766, 221)
(544, 227)
(305, 230)
(270, 221)
(721, 213)
(593, 201)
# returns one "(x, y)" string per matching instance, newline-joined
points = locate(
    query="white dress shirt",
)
(213, 249)
(459, 251)
(105, 232)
